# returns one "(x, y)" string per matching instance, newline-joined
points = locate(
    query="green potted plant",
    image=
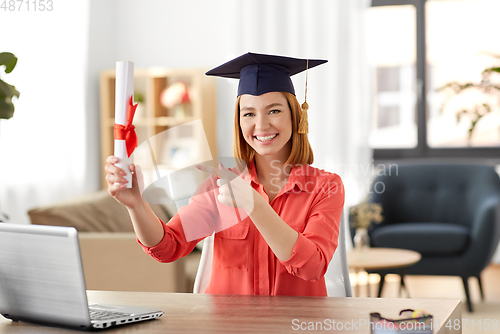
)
(7, 92)
(487, 87)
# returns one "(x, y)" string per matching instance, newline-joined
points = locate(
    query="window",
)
(459, 48)
(392, 57)
(416, 47)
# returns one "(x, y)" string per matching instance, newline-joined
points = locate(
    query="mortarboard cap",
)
(262, 73)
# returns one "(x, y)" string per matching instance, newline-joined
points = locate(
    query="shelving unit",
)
(186, 140)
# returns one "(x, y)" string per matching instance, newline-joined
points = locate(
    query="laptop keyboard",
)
(106, 315)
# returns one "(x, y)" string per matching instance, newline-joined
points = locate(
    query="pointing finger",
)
(222, 173)
(206, 169)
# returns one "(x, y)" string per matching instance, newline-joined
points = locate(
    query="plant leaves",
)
(457, 87)
(4, 90)
(9, 60)
(7, 90)
(492, 69)
(15, 92)
(6, 109)
(6, 106)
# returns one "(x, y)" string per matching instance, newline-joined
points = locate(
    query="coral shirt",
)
(311, 203)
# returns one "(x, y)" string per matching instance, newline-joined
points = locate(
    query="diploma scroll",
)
(124, 90)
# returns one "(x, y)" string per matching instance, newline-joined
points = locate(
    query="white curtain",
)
(42, 148)
(338, 92)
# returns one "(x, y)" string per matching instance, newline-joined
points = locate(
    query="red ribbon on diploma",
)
(127, 132)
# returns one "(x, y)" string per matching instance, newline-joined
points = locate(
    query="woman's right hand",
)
(129, 197)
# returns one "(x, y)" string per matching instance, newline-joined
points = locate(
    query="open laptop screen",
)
(41, 276)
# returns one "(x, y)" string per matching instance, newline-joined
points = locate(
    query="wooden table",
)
(204, 313)
(378, 258)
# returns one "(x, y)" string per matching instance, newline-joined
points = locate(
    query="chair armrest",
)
(114, 261)
(485, 232)
(487, 219)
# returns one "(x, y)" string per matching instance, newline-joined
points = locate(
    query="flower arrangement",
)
(489, 93)
(178, 95)
(363, 214)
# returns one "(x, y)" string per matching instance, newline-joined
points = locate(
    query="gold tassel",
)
(303, 124)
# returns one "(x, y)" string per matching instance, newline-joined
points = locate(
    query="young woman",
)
(286, 226)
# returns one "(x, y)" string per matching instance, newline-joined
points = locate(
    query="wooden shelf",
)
(153, 118)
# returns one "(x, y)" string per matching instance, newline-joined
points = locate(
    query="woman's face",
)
(266, 123)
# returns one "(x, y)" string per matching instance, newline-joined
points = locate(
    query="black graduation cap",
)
(262, 73)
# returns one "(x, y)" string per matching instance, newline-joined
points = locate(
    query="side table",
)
(377, 258)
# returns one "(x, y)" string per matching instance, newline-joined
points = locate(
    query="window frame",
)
(423, 150)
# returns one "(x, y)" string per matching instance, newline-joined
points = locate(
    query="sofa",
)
(111, 256)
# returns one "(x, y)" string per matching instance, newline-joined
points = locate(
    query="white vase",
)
(361, 239)
(180, 111)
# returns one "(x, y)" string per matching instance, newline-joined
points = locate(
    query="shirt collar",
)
(252, 173)
(295, 179)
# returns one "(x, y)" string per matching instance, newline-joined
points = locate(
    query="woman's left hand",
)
(233, 190)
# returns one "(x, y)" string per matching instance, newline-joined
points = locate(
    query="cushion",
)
(429, 239)
(96, 212)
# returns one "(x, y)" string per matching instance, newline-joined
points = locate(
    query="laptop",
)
(42, 281)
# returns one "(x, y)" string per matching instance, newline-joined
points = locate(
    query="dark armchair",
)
(448, 213)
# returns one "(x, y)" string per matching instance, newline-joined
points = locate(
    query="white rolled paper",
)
(124, 89)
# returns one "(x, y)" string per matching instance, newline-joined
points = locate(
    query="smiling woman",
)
(286, 227)
(303, 153)
(266, 124)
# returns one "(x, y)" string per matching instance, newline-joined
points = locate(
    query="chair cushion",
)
(429, 239)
